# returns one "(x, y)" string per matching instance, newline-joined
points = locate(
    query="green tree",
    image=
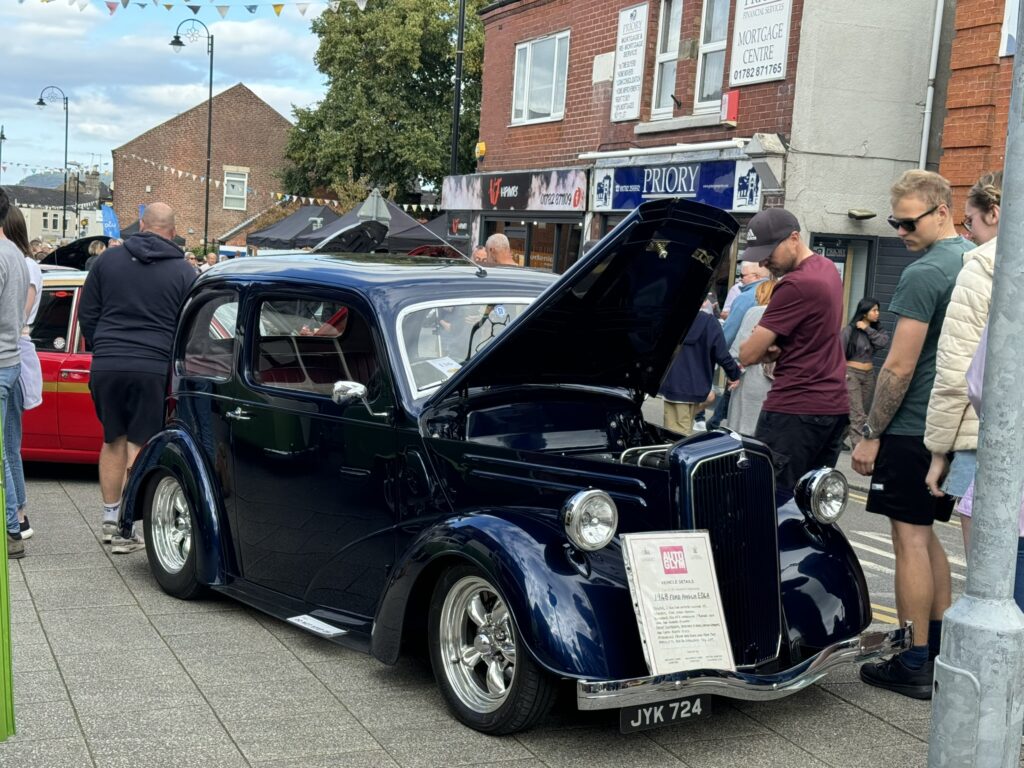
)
(386, 118)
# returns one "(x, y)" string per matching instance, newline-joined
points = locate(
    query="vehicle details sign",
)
(677, 602)
(760, 41)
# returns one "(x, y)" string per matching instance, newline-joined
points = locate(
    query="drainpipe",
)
(933, 68)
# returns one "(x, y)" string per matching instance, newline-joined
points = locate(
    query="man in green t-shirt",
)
(893, 450)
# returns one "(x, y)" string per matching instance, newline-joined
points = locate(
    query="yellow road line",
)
(857, 497)
(884, 608)
(885, 618)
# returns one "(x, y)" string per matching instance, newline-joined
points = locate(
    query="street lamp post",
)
(457, 101)
(192, 34)
(2, 140)
(50, 94)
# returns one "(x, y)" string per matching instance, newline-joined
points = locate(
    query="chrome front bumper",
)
(615, 694)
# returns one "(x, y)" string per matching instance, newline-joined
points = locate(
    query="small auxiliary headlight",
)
(823, 494)
(591, 519)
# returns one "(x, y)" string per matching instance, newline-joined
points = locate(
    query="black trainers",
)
(892, 674)
(26, 528)
(15, 546)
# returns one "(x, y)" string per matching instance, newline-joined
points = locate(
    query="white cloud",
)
(122, 78)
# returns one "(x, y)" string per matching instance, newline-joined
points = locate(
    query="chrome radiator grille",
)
(736, 505)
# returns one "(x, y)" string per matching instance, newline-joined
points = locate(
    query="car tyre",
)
(169, 525)
(485, 674)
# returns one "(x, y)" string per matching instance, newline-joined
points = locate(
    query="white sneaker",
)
(109, 531)
(122, 546)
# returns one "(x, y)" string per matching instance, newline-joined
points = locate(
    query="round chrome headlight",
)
(823, 494)
(591, 519)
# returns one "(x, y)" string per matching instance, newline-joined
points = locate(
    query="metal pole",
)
(3, 138)
(64, 210)
(457, 101)
(209, 144)
(978, 706)
(6, 665)
(78, 184)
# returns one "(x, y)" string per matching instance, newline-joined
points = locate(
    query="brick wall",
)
(247, 132)
(978, 103)
(586, 127)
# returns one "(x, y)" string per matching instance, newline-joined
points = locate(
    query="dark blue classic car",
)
(395, 452)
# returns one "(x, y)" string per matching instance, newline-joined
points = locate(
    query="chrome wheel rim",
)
(171, 527)
(478, 644)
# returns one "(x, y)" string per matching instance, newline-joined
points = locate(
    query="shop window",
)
(538, 92)
(236, 184)
(711, 57)
(667, 56)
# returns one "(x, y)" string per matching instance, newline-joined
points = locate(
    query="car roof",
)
(372, 270)
(66, 277)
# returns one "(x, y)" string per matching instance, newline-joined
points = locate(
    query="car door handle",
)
(238, 415)
(69, 373)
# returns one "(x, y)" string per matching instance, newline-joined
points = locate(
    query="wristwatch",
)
(868, 433)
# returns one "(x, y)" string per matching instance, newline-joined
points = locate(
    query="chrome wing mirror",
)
(347, 391)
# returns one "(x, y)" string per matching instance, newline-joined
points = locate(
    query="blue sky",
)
(122, 77)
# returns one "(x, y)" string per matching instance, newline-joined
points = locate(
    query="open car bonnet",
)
(617, 317)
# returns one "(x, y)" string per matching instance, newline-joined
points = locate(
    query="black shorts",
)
(898, 488)
(800, 444)
(129, 404)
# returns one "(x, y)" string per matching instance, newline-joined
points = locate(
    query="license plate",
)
(640, 718)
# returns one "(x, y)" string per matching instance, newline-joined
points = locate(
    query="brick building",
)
(589, 108)
(978, 104)
(168, 164)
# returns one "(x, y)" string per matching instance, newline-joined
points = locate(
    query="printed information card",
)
(677, 602)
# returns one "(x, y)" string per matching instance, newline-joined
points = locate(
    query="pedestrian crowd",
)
(807, 380)
(127, 311)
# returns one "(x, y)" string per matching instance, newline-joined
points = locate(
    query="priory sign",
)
(630, 46)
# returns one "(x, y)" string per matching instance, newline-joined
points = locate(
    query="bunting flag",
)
(222, 8)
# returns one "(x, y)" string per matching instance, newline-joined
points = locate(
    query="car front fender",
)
(174, 451)
(571, 624)
(824, 592)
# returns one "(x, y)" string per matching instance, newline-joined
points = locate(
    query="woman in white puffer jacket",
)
(952, 424)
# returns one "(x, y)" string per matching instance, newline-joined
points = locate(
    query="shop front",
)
(541, 212)
(732, 185)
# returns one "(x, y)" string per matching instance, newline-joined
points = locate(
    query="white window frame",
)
(664, 57)
(703, 50)
(235, 171)
(1009, 29)
(557, 111)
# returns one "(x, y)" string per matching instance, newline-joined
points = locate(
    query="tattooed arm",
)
(898, 370)
(893, 382)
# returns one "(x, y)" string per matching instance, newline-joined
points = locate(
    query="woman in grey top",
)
(862, 338)
(748, 397)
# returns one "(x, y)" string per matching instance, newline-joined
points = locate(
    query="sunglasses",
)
(968, 223)
(910, 225)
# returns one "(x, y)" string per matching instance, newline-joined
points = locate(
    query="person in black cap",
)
(807, 409)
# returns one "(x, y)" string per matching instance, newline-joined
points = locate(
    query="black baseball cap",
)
(766, 230)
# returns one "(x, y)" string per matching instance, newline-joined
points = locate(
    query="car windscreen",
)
(438, 338)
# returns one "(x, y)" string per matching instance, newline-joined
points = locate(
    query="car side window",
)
(210, 337)
(52, 328)
(306, 345)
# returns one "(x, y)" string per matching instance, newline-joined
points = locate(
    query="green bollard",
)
(6, 668)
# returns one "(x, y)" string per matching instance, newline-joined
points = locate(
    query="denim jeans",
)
(12, 444)
(1018, 581)
(9, 381)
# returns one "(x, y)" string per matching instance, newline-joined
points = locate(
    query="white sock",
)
(111, 512)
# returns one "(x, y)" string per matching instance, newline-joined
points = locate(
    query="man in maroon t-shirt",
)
(807, 409)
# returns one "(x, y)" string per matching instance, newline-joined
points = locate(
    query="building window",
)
(46, 220)
(538, 93)
(1008, 38)
(236, 185)
(711, 58)
(665, 62)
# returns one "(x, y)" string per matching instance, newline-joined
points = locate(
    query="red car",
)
(64, 428)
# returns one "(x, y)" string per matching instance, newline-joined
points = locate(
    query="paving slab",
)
(210, 682)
